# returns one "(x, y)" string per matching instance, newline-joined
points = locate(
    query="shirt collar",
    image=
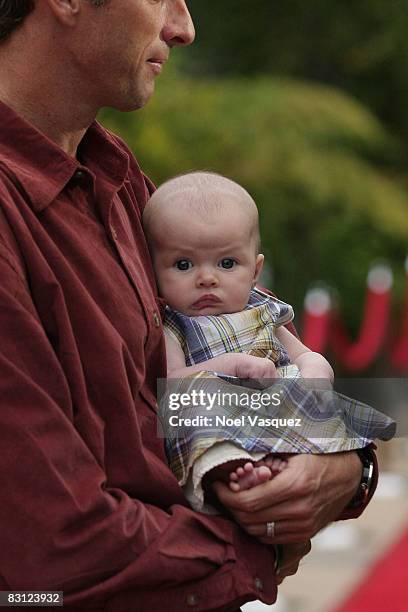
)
(43, 169)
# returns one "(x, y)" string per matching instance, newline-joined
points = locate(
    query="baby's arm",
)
(232, 364)
(310, 364)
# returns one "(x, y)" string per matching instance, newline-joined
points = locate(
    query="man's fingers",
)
(230, 499)
(306, 496)
(279, 489)
(284, 531)
(299, 510)
(285, 486)
(293, 521)
(291, 555)
(289, 571)
(281, 530)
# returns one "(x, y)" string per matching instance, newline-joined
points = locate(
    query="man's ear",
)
(65, 11)
(258, 268)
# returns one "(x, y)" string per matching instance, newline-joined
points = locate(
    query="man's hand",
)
(292, 554)
(302, 499)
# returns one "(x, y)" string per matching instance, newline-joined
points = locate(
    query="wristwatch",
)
(363, 490)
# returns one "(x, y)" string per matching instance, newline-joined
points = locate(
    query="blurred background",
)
(306, 106)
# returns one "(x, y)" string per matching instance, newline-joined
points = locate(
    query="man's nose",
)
(179, 27)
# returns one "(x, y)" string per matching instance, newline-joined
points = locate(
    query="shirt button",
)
(113, 232)
(258, 584)
(192, 600)
(156, 319)
(79, 175)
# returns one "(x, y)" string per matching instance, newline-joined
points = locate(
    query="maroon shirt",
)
(88, 504)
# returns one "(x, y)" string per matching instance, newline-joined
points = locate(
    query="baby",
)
(203, 233)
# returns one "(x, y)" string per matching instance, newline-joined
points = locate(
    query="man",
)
(89, 506)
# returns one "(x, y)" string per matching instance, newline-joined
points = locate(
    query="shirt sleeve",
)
(282, 313)
(289, 324)
(65, 528)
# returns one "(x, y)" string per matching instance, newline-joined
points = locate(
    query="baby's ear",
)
(258, 268)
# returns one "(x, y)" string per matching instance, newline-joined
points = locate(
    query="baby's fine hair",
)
(201, 191)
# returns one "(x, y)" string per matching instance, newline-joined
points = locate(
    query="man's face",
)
(122, 46)
(205, 266)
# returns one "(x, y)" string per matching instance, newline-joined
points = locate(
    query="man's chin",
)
(133, 102)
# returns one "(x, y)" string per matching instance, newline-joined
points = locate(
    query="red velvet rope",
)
(399, 354)
(359, 354)
(316, 320)
(323, 326)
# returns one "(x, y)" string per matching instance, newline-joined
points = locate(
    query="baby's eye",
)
(183, 264)
(227, 263)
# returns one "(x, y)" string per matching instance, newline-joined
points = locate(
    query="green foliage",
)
(361, 47)
(319, 165)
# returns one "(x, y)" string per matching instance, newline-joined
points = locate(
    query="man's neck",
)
(44, 100)
(65, 132)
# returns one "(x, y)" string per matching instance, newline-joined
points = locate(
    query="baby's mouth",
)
(209, 299)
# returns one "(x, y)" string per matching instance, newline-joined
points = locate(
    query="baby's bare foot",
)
(274, 463)
(248, 476)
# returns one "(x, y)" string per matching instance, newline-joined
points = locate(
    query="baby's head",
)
(203, 234)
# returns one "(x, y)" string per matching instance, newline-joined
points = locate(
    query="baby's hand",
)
(233, 364)
(248, 366)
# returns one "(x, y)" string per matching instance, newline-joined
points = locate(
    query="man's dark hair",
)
(13, 12)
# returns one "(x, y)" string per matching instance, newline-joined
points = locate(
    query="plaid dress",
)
(249, 331)
(330, 422)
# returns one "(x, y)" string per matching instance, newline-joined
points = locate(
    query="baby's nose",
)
(206, 278)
